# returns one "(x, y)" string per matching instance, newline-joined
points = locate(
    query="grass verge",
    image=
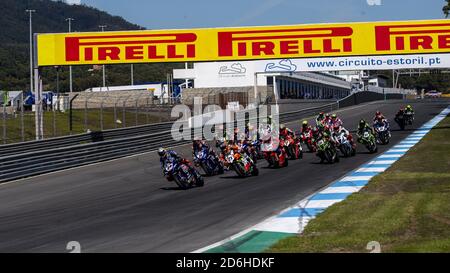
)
(405, 209)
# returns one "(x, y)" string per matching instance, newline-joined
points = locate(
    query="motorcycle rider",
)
(306, 128)
(285, 132)
(166, 156)
(326, 135)
(363, 126)
(377, 115)
(409, 111)
(381, 121)
(327, 120)
(335, 121)
(400, 112)
(200, 145)
(337, 131)
(320, 118)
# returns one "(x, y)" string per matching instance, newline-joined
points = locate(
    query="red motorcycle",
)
(292, 147)
(309, 140)
(275, 156)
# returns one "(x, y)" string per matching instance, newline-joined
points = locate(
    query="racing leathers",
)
(171, 156)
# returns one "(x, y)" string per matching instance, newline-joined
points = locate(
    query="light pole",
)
(30, 11)
(132, 74)
(104, 74)
(70, 67)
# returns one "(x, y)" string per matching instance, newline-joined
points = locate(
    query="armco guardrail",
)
(50, 155)
(366, 96)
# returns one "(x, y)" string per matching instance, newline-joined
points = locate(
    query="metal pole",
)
(393, 78)
(186, 80)
(136, 111)
(22, 127)
(38, 104)
(85, 112)
(104, 73)
(115, 112)
(70, 67)
(132, 74)
(55, 107)
(104, 76)
(101, 112)
(71, 114)
(147, 110)
(30, 11)
(4, 120)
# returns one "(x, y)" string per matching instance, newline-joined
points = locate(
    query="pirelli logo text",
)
(126, 48)
(412, 37)
(285, 42)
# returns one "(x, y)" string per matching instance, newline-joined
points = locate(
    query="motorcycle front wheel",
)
(182, 184)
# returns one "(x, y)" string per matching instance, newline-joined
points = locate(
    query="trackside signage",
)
(246, 43)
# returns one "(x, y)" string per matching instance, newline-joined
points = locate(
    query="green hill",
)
(50, 18)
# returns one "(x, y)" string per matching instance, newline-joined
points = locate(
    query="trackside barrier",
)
(44, 156)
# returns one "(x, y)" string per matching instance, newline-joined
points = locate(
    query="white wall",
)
(222, 74)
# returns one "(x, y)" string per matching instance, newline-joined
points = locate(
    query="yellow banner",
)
(245, 43)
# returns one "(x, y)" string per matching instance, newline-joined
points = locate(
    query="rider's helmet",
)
(327, 116)
(282, 126)
(377, 113)
(305, 124)
(321, 114)
(333, 116)
(161, 151)
(362, 123)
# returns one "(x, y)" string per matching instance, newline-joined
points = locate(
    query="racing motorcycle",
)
(273, 158)
(409, 117)
(309, 140)
(293, 148)
(368, 140)
(241, 163)
(345, 146)
(326, 151)
(257, 146)
(250, 150)
(382, 133)
(401, 121)
(210, 163)
(181, 173)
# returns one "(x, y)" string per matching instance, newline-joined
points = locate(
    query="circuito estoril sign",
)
(245, 43)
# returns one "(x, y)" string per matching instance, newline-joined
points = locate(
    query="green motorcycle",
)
(368, 139)
(326, 151)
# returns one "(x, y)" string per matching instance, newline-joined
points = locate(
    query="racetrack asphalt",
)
(126, 205)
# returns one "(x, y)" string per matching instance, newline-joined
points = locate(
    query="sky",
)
(178, 14)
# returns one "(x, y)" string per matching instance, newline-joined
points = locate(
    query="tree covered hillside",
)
(51, 17)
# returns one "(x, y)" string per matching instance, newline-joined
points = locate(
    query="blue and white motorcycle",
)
(182, 174)
(209, 162)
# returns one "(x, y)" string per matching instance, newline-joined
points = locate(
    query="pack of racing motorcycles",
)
(328, 139)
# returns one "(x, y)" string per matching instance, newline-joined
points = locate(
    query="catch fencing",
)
(82, 113)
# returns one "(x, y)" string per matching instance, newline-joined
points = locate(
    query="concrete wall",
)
(95, 99)
(211, 95)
